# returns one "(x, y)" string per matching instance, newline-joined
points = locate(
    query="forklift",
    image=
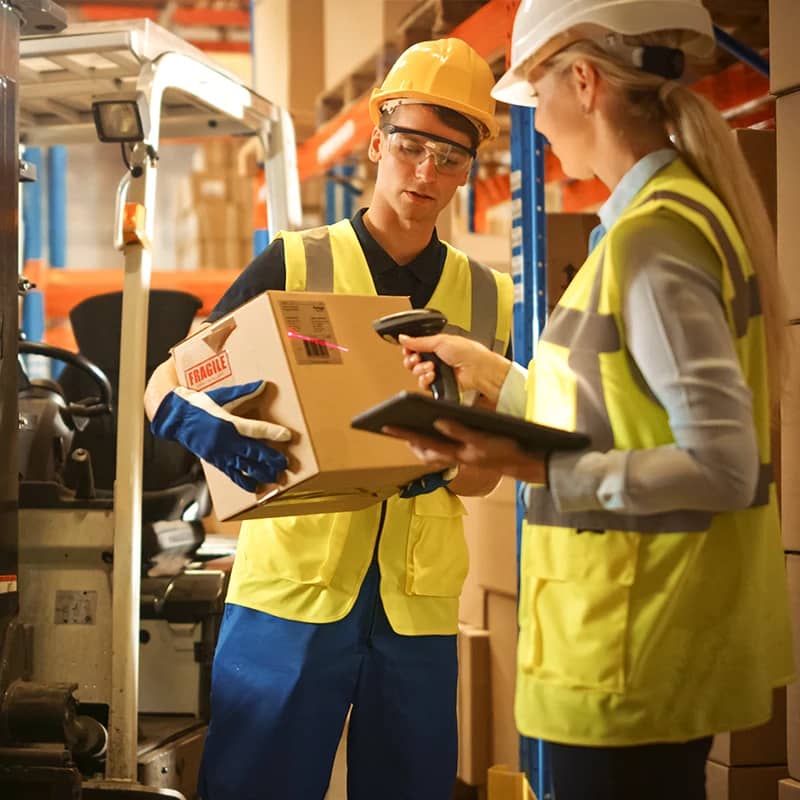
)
(78, 586)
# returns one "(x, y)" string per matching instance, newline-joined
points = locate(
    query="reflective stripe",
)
(542, 511)
(742, 305)
(566, 325)
(484, 306)
(319, 259)
(319, 278)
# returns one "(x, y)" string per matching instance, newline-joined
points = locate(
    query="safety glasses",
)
(413, 147)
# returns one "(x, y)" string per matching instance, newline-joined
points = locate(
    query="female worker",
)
(653, 608)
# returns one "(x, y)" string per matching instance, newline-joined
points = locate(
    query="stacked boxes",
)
(219, 216)
(749, 763)
(784, 18)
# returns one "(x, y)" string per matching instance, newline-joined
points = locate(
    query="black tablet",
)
(418, 412)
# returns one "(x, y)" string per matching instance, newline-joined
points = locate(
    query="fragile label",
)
(75, 608)
(308, 327)
(208, 371)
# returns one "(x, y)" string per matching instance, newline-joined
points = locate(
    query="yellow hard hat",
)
(445, 72)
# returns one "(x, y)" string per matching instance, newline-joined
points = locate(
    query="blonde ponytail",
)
(705, 141)
(707, 144)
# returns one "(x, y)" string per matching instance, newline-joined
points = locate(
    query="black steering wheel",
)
(89, 406)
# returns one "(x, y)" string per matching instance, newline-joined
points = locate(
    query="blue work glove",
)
(203, 424)
(428, 483)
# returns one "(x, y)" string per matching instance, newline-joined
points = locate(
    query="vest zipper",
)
(377, 598)
(380, 530)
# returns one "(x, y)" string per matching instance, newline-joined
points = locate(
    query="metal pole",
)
(473, 174)
(57, 205)
(9, 65)
(528, 265)
(32, 208)
(18, 18)
(741, 51)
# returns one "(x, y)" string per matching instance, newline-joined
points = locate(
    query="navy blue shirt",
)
(417, 279)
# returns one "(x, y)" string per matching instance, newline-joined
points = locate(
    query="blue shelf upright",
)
(528, 260)
(339, 193)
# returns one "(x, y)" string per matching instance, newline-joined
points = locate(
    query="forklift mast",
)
(20, 17)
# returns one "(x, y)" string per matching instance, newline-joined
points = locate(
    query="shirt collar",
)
(632, 182)
(379, 260)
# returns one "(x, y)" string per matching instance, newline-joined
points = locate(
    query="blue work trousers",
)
(281, 691)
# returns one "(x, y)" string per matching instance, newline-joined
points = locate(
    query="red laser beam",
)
(293, 334)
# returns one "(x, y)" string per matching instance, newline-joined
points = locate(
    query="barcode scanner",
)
(422, 322)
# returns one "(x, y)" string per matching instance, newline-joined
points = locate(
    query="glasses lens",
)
(448, 159)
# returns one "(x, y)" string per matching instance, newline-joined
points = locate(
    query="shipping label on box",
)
(324, 364)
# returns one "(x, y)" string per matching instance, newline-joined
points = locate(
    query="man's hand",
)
(203, 424)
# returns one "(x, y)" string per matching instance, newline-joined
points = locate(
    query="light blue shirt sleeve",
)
(513, 393)
(679, 340)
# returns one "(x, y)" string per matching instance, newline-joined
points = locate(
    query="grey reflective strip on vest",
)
(745, 303)
(319, 259)
(319, 278)
(484, 306)
(484, 309)
(542, 511)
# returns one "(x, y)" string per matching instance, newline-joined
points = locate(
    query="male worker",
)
(358, 609)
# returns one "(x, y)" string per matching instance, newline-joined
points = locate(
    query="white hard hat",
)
(543, 27)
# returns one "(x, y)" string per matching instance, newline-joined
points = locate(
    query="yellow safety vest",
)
(310, 568)
(663, 627)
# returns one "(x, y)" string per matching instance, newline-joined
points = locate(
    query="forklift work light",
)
(120, 120)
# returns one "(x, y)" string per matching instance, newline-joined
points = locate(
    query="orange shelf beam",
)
(63, 289)
(335, 139)
(107, 13)
(211, 17)
(188, 17)
(488, 30)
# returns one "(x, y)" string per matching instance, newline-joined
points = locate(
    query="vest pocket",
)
(574, 608)
(309, 552)
(436, 554)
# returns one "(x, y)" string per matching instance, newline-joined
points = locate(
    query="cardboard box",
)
(787, 120)
(332, 368)
(790, 443)
(491, 526)
(472, 602)
(502, 619)
(760, 151)
(762, 745)
(788, 790)
(508, 784)
(567, 248)
(474, 705)
(793, 690)
(742, 783)
(784, 32)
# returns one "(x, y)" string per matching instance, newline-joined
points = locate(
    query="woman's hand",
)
(472, 448)
(475, 366)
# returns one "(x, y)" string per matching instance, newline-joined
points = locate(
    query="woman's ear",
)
(585, 79)
(374, 151)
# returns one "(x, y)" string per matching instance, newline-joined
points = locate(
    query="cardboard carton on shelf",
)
(324, 364)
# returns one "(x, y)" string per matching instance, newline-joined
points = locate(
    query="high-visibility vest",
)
(662, 627)
(310, 567)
